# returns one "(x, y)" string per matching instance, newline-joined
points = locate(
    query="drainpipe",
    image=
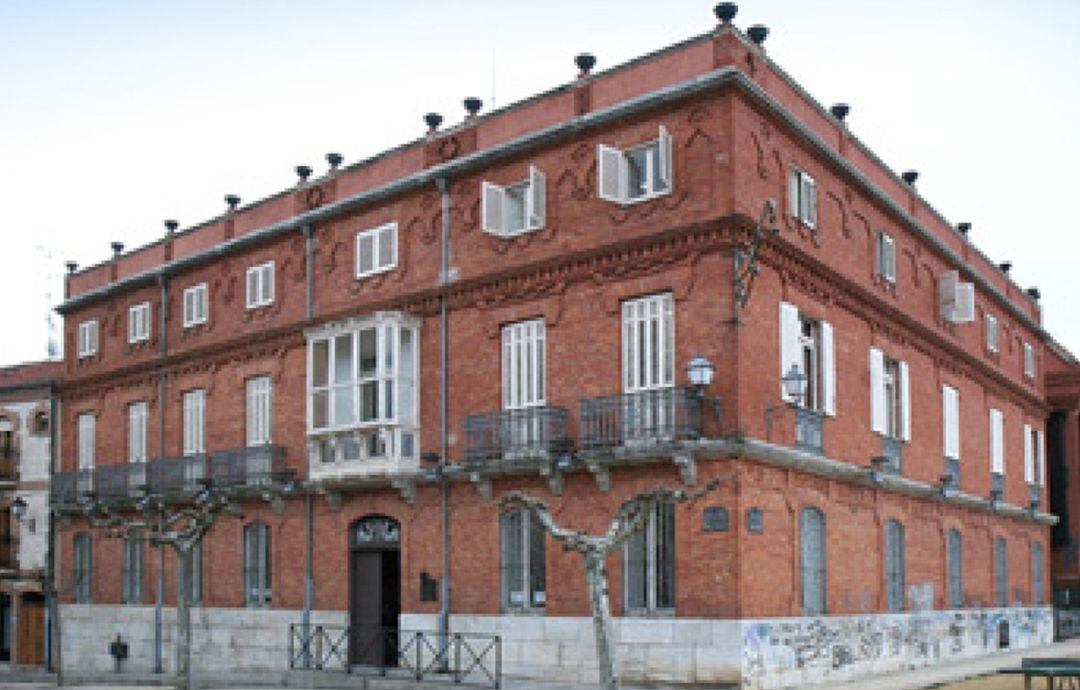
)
(444, 279)
(160, 593)
(309, 578)
(52, 661)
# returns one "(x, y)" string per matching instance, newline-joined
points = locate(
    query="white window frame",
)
(997, 441)
(613, 170)
(523, 365)
(259, 408)
(890, 396)
(648, 362)
(139, 323)
(950, 405)
(805, 340)
(138, 413)
(260, 285)
(802, 197)
(885, 256)
(496, 215)
(87, 338)
(379, 236)
(196, 305)
(649, 538)
(1029, 360)
(991, 332)
(521, 568)
(86, 432)
(194, 422)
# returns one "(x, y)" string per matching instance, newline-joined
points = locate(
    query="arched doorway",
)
(374, 591)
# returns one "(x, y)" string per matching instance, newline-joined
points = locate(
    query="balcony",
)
(892, 450)
(645, 417)
(952, 471)
(809, 430)
(176, 478)
(1034, 496)
(516, 436)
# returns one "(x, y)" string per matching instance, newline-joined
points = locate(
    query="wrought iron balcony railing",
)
(120, 481)
(178, 475)
(516, 435)
(254, 466)
(952, 470)
(654, 416)
(809, 431)
(892, 450)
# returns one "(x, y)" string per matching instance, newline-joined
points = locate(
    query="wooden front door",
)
(32, 630)
(374, 592)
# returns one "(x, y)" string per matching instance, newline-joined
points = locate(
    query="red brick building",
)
(518, 297)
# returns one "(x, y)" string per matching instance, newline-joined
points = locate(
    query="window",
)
(258, 411)
(137, 432)
(991, 333)
(638, 173)
(82, 564)
(260, 285)
(649, 562)
(1029, 361)
(86, 432)
(196, 304)
(1034, 456)
(997, 445)
(523, 567)
(1001, 574)
(194, 574)
(257, 564)
(195, 422)
(523, 364)
(954, 553)
(88, 338)
(956, 300)
(131, 577)
(648, 343)
(1038, 584)
(886, 257)
(41, 423)
(139, 323)
(812, 561)
(894, 566)
(950, 404)
(802, 197)
(890, 396)
(362, 389)
(518, 208)
(376, 250)
(806, 343)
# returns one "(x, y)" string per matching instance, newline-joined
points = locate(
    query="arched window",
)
(954, 548)
(523, 561)
(257, 564)
(1001, 573)
(894, 566)
(812, 561)
(1038, 586)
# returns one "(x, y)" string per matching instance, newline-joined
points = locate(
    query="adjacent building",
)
(514, 303)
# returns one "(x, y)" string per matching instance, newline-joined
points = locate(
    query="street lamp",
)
(794, 382)
(18, 508)
(700, 373)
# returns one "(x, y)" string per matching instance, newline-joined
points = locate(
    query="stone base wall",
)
(223, 641)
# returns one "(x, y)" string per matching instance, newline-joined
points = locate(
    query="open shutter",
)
(789, 342)
(997, 452)
(965, 303)
(1040, 457)
(951, 423)
(1029, 456)
(536, 201)
(828, 369)
(268, 283)
(388, 246)
(810, 200)
(252, 287)
(666, 169)
(877, 391)
(793, 193)
(905, 401)
(611, 178)
(493, 204)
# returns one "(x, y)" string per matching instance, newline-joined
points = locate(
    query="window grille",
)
(894, 566)
(1001, 574)
(955, 554)
(813, 560)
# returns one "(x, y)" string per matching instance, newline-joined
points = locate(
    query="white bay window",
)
(362, 390)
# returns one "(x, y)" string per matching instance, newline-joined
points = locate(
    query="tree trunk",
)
(596, 573)
(183, 618)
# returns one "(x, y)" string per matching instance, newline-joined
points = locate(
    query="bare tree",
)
(595, 549)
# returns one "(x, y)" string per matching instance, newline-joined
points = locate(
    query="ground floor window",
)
(523, 561)
(649, 562)
(82, 568)
(257, 564)
(894, 565)
(132, 570)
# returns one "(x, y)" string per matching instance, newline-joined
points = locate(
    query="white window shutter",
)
(789, 342)
(388, 245)
(997, 452)
(666, 167)
(965, 303)
(889, 258)
(947, 283)
(877, 391)
(951, 421)
(537, 199)
(1029, 456)
(810, 191)
(268, 283)
(610, 177)
(905, 400)
(1040, 456)
(828, 369)
(492, 211)
(794, 186)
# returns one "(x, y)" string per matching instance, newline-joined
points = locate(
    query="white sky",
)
(117, 115)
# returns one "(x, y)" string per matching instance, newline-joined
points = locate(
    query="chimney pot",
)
(473, 105)
(1005, 266)
(71, 266)
(726, 11)
(964, 228)
(334, 159)
(910, 176)
(232, 201)
(1033, 293)
(433, 120)
(117, 247)
(171, 226)
(303, 172)
(758, 33)
(585, 62)
(840, 111)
